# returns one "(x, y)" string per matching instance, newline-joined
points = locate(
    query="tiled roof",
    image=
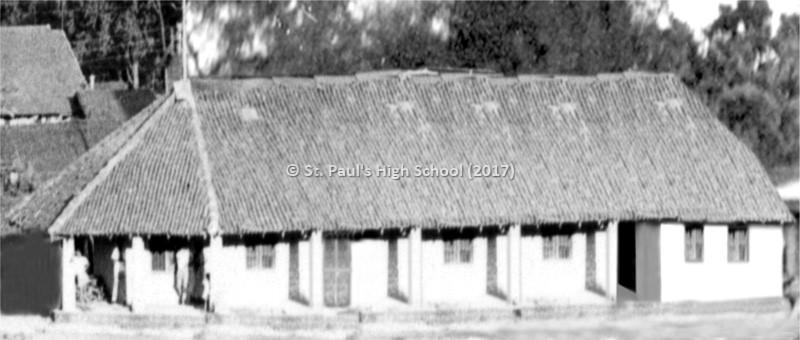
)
(50, 147)
(615, 147)
(47, 147)
(40, 74)
(38, 211)
(105, 111)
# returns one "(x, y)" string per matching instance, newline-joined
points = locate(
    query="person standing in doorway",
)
(182, 257)
(118, 268)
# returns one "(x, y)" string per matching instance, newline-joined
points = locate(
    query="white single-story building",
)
(557, 190)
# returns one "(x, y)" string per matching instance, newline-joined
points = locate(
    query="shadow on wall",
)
(31, 274)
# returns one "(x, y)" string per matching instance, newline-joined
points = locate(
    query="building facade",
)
(275, 187)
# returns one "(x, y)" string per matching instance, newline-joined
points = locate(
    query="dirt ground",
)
(716, 327)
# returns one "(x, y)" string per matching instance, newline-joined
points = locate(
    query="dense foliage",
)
(747, 75)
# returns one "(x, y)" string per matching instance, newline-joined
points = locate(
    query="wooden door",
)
(337, 272)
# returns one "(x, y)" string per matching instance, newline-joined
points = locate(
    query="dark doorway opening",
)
(626, 260)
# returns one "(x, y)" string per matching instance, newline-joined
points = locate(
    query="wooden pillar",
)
(612, 238)
(514, 264)
(68, 303)
(415, 267)
(317, 274)
(136, 267)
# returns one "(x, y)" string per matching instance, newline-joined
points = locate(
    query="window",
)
(693, 238)
(260, 256)
(557, 246)
(162, 260)
(458, 251)
(737, 244)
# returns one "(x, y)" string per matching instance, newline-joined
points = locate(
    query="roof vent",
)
(564, 110)
(401, 108)
(668, 105)
(487, 109)
(248, 114)
(674, 103)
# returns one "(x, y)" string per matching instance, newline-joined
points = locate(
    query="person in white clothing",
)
(118, 268)
(182, 257)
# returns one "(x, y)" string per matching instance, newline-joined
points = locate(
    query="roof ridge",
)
(205, 164)
(120, 155)
(414, 74)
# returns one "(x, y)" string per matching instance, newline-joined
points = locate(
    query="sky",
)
(699, 14)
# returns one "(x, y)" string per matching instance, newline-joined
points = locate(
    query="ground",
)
(778, 325)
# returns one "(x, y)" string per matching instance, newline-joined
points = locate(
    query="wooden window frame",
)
(260, 256)
(694, 241)
(738, 244)
(458, 251)
(162, 261)
(557, 247)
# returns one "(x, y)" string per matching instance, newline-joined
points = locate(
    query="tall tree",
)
(750, 80)
(119, 40)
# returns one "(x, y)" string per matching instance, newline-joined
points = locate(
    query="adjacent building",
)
(538, 190)
(48, 119)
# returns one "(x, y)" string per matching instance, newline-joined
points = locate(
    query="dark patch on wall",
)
(294, 273)
(591, 263)
(31, 274)
(491, 265)
(394, 272)
(648, 261)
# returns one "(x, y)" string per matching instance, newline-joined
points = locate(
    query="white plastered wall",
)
(715, 278)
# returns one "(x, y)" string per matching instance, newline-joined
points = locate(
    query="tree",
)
(751, 80)
(112, 40)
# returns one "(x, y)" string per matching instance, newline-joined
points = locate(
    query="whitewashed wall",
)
(257, 287)
(156, 288)
(715, 278)
(561, 281)
(370, 272)
(456, 283)
(552, 280)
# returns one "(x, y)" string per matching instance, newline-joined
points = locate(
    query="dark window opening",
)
(557, 246)
(738, 244)
(693, 238)
(458, 251)
(261, 256)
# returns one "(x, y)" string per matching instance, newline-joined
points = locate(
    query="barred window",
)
(162, 260)
(693, 238)
(558, 246)
(737, 244)
(458, 251)
(260, 256)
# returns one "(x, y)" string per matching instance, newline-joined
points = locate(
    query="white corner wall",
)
(715, 278)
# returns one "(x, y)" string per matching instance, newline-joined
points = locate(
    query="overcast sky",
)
(699, 14)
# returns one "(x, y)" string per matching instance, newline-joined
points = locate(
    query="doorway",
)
(626, 262)
(337, 272)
